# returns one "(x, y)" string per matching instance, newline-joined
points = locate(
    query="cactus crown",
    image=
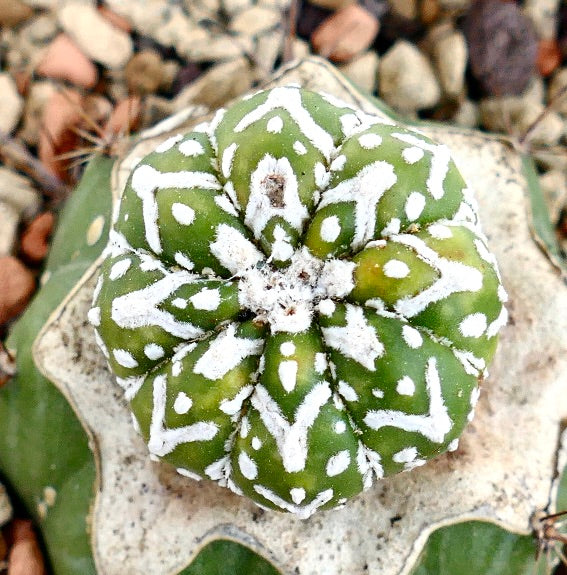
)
(297, 299)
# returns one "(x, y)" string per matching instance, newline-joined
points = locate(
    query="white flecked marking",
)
(256, 443)
(338, 463)
(234, 405)
(440, 232)
(347, 391)
(274, 125)
(412, 155)
(338, 163)
(179, 303)
(206, 299)
(396, 269)
(119, 269)
(247, 466)
(94, 316)
(188, 473)
(412, 337)
(415, 203)
(228, 159)
(326, 307)
(184, 261)
(166, 145)
(378, 393)
(191, 148)
(297, 494)
(287, 348)
(124, 358)
(299, 148)
(473, 325)
(182, 403)
(340, 427)
(405, 386)
(287, 372)
(185, 215)
(330, 229)
(320, 363)
(153, 351)
(370, 141)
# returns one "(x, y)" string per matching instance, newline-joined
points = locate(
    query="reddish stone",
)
(17, 285)
(548, 57)
(35, 240)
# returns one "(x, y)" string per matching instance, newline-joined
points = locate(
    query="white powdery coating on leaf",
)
(320, 363)
(274, 125)
(119, 269)
(228, 159)
(225, 353)
(365, 189)
(94, 316)
(303, 511)
(454, 277)
(414, 206)
(287, 348)
(147, 180)
(396, 269)
(347, 391)
(439, 162)
(434, 425)
(182, 403)
(184, 261)
(191, 148)
(338, 463)
(299, 148)
(247, 465)
(140, 308)
(412, 155)
(405, 386)
(163, 441)
(233, 250)
(234, 405)
(412, 337)
(330, 229)
(206, 299)
(287, 372)
(166, 145)
(370, 141)
(184, 215)
(226, 205)
(357, 340)
(337, 278)
(153, 351)
(124, 358)
(473, 325)
(290, 100)
(291, 439)
(269, 173)
(326, 307)
(297, 494)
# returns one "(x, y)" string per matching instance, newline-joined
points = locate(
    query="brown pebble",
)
(13, 12)
(548, 57)
(35, 239)
(25, 556)
(17, 285)
(63, 60)
(97, 108)
(125, 117)
(345, 34)
(115, 19)
(144, 72)
(430, 11)
(61, 115)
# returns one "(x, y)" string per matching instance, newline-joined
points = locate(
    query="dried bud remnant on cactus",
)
(297, 299)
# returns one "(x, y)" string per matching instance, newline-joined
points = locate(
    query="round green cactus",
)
(297, 299)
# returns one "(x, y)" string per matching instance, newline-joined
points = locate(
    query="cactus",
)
(297, 299)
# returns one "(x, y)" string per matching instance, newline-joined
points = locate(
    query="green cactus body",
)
(297, 299)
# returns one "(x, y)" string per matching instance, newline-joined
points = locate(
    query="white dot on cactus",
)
(414, 206)
(369, 141)
(191, 148)
(176, 368)
(321, 176)
(299, 148)
(412, 155)
(338, 163)
(153, 351)
(440, 232)
(338, 463)
(474, 325)
(347, 391)
(126, 217)
(94, 316)
(184, 261)
(225, 204)
(405, 386)
(326, 307)
(330, 229)
(287, 372)
(94, 231)
(412, 337)
(179, 303)
(396, 269)
(166, 145)
(247, 465)
(340, 427)
(187, 473)
(320, 363)
(182, 403)
(256, 443)
(297, 494)
(135, 423)
(275, 125)
(392, 227)
(454, 445)
(183, 214)
(124, 358)
(502, 295)
(287, 348)
(349, 124)
(406, 455)
(378, 393)
(206, 299)
(244, 427)
(227, 159)
(119, 269)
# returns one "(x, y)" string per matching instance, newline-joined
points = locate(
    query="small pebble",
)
(35, 239)
(144, 72)
(548, 57)
(430, 11)
(63, 60)
(558, 91)
(363, 71)
(406, 79)
(94, 35)
(13, 12)
(25, 555)
(405, 8)
(185, 76)
(12, 104)
(9, 221)
(345, 34)
(5, 507)
(450, 55)
(17, 285)
(332, 4)
(97, 108)
(310, 17)
(39, 94)
(125, 117)
(115, 19)
(543, 15)
(255, 20)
